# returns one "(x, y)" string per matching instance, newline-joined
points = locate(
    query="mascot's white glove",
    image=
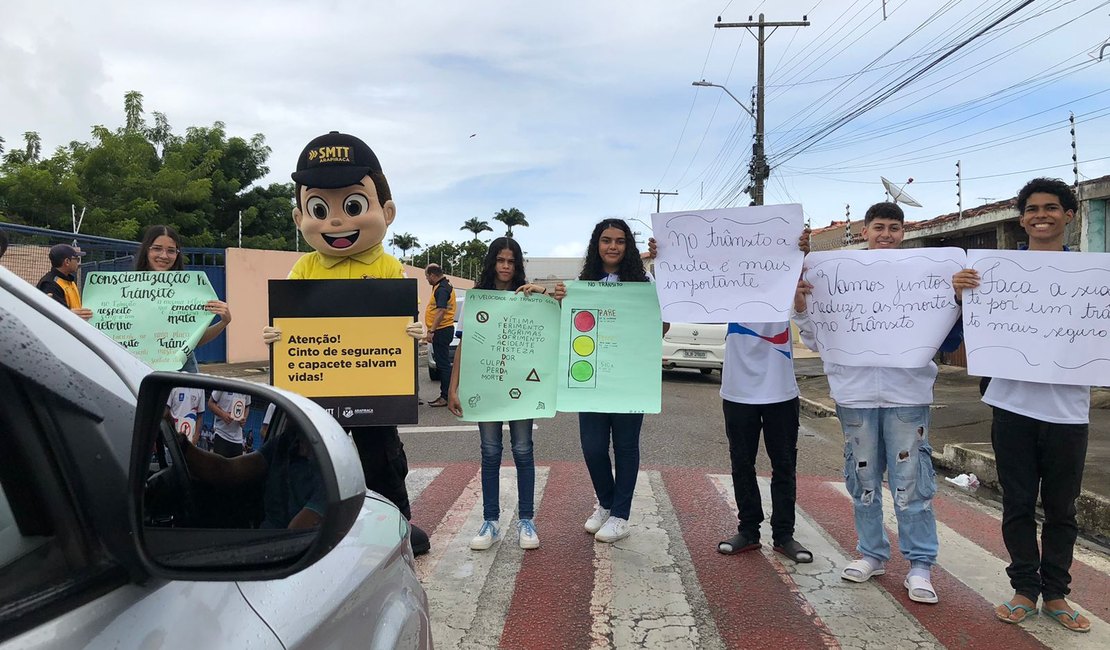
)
(270, 335)
(415, 329)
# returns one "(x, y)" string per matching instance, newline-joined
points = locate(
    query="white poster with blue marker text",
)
(728, 265)
(882, 308)
(1039, 316)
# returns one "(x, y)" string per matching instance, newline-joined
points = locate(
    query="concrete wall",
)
(248, 272)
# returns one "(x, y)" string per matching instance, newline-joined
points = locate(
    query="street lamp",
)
(758, 169)
(705, 84)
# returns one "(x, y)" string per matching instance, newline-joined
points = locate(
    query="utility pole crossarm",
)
(658, 196)
(796, 23)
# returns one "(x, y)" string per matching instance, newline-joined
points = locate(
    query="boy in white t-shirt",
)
(231, 410)
(186, 406)
(1039, 436)
(759, 393)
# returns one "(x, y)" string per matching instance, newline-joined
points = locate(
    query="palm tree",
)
(476, 226)
(404, 241)
(511, 217)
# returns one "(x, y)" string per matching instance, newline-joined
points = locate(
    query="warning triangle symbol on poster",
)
(533, 376)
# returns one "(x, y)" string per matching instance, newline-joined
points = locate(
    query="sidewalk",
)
(961, 434)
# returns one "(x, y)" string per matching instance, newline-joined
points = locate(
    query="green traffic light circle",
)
(582, 371)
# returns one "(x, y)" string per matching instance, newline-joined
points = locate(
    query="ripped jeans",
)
(895, 440)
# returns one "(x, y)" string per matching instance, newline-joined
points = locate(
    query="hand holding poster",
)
(610, 348)
(1039, 316)
(508, 356)
(722, 266)
(343, 344)
(885, 308)
(158, 316)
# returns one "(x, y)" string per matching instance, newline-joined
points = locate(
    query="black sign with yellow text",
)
(343, 344)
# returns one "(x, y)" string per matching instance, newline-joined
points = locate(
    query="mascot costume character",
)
(344, 208)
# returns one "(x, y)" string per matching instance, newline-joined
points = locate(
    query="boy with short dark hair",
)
(1039, 436)
(884, 414)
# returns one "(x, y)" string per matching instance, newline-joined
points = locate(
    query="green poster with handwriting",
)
(508, 352)
(158, 316)
(610, 348)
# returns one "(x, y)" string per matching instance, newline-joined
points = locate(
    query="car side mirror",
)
(233, 480)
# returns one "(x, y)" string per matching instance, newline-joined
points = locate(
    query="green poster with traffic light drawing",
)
(509, 345)
(610, 347)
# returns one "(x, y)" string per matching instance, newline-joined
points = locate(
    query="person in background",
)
(160, 250)
(186, 406)
(60, 283)
(231, 411)
(439, 317)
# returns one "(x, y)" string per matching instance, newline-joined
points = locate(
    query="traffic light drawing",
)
(583, 349)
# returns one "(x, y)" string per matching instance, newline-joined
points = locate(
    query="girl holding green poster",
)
(160, 250)
(612, 256)
(502, 270)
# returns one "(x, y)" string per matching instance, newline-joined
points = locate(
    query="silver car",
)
(695, 345)
(117, 532)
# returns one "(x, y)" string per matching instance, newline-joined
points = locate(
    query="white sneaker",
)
(597, 520)
(527, 534)
(487, 535)
(615, 528)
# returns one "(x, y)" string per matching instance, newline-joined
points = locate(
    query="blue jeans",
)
(614, 493)
(520, 434)
(894, 440)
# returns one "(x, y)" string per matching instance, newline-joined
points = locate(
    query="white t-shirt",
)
(235, 405)
(186, 405)
(1055, 403)
(759, 364)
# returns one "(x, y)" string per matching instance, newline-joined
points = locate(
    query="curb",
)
(1092, 510)
(816, 409)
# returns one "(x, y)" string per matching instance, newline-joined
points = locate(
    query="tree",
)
(471, 255)
(476, 226)
(445, 253)
(133, 111)
(404, 241)
(511, 217)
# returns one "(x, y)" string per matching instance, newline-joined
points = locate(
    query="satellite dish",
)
(898, 195)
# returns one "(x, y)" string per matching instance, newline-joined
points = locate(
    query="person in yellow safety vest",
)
(61, 282)
(439, 317)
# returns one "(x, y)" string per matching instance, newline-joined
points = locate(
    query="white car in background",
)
(695, 345)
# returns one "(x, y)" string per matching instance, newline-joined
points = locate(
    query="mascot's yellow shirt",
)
(371, 264)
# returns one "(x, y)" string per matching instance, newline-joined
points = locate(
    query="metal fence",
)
(28, 257)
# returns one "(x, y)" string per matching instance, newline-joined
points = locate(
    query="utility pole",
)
(1074, 153)
(847, 224)
(758, 168)
(658, 195)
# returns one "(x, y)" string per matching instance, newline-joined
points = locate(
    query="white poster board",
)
(882, 308)
(729, 265)
(1039, 316)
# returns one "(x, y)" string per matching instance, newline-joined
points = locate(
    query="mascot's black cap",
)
(335, 160)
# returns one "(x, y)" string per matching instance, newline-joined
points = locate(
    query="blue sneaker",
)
(527, 534)
(487, 535)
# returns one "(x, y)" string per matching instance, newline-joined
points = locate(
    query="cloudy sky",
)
(577, 106)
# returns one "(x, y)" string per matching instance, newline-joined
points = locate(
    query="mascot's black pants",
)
(384, 464)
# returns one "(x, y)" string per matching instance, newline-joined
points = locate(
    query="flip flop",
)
(795, 551)
(439, 401)
(1025, 609)
(1074, 616)
(738, 543)
(916, 584)
(863, 568)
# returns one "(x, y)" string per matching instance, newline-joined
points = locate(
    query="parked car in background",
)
(433, 371)
(116, 532)
(695, 345)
